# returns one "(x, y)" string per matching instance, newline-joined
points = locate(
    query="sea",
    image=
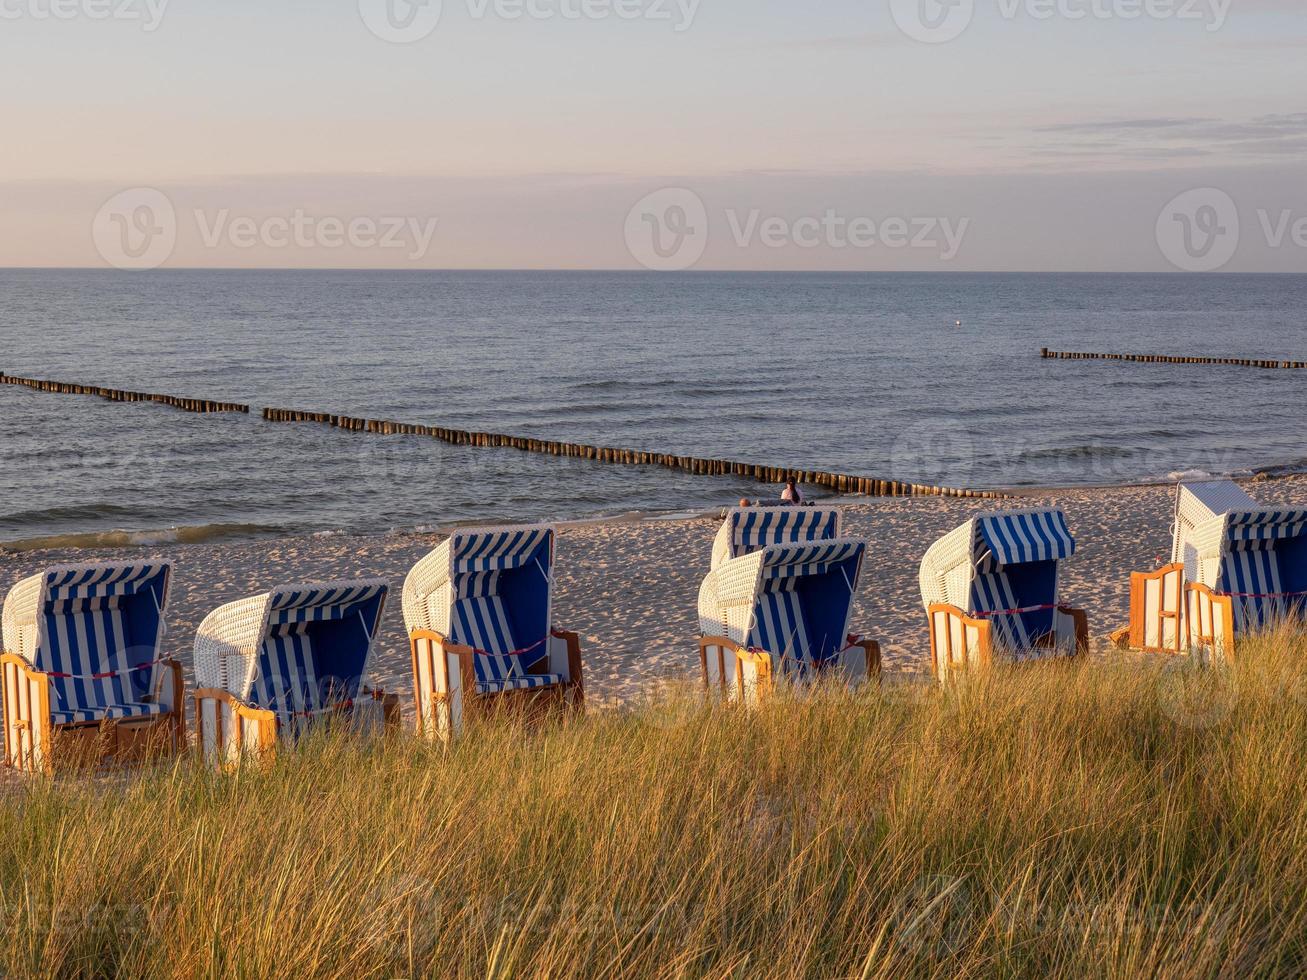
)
(923, 378)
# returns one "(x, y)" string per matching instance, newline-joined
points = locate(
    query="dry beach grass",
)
(1119, 819)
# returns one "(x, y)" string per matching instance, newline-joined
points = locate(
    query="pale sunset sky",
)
(1039, 134)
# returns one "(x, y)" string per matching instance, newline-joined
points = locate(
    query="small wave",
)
(202, 534)
(1178, 476)
(1076, 452)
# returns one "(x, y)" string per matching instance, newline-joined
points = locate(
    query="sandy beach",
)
(630, 588)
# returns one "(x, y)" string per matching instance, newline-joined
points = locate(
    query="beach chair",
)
(479, 611)
(1236, 568)
(749, 529)
(782, 613)
(990, 589)
(270, 668)
(84, 677)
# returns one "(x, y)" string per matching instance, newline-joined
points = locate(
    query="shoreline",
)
(227, 533)
(630, 587)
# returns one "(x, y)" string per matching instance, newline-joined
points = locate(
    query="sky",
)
(937, 135)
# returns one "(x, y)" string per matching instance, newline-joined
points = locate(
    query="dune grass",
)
(1134, 818)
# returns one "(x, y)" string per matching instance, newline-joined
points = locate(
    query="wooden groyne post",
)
(837, 482)
(1062, 355)
(201, 406)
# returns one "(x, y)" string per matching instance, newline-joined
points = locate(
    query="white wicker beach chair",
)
(479, 611)
(782, 613)
(749, 529)
(990, 588)
(83, 675)
(270, 667)
(1236, 567)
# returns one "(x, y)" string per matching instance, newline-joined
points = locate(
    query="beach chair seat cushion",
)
(109, 712)
(528, 682)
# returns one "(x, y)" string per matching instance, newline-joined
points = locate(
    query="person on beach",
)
(745, 502)
(792, 495)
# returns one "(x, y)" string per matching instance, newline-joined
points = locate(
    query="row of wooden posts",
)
(200, 405)
(1062, 355)
(836, 482)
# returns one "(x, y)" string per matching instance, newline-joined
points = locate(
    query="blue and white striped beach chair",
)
(1236, 568)
(990, 589)
(479, 611)
(268, 668)
(84, 662)
(749, 529)
(782, 613)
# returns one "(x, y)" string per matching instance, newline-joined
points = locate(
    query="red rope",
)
(1017, 612)
(1261, 595)
(106, 675)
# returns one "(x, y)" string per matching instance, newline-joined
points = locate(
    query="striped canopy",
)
(98, 631)
(490, 589)
(1017, 539)
(314, 646)
(803, 602)
(750, 529)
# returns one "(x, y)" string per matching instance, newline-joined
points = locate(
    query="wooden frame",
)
(445, 685)
(961, 642)
(34, 744)
(1209, 621)
(747, 676)
(1157, 608)
(228, 730)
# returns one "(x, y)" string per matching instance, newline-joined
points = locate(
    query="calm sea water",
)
(856, 373)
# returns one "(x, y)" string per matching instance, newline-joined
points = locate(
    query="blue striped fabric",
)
(756, 528)
(993, 592)
(490, 552)
(528, 682)
(104, 620)
(480, 617)
(286, 681)
(318, 605)
(1016, 539)
(1252, 573)
(804, 601)
(314, 650)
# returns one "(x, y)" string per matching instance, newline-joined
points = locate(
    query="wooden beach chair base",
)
(230, 731)
(743, 676)
(34, 744)
(960, 643)
(448, 697)
(1157, 612)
